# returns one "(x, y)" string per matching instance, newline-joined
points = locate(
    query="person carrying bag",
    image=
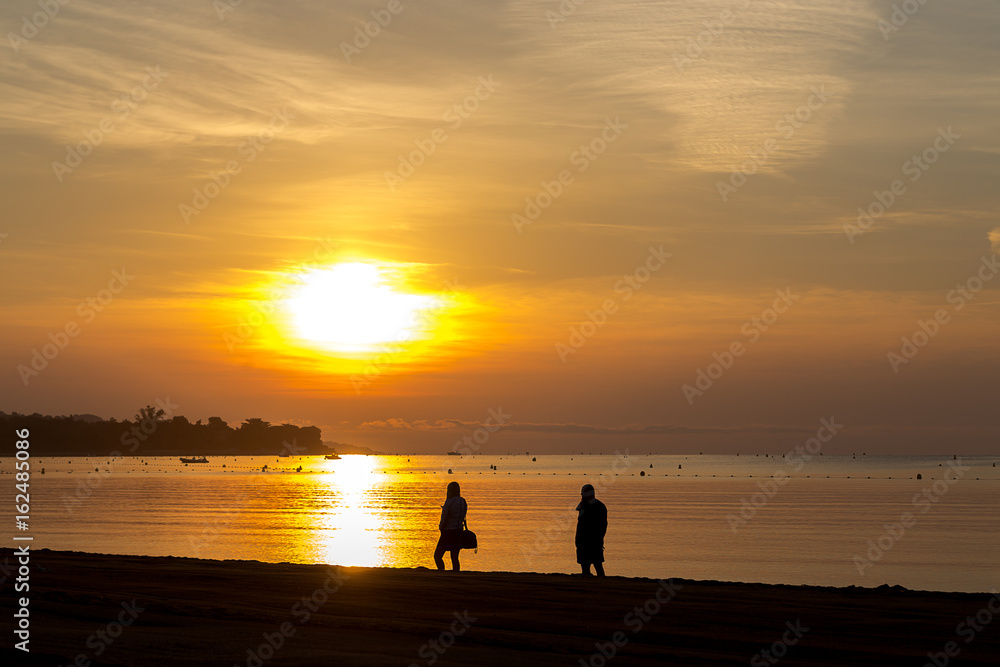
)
(455, 535)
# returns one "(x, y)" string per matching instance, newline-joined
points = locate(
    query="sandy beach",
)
(93, 609)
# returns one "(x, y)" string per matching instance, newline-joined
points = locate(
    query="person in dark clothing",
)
(591, 526)
(452, 519)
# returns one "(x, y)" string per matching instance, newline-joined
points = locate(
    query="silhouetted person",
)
(452, 518)
(591, 526)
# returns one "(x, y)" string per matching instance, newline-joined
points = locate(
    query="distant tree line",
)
(150, 432)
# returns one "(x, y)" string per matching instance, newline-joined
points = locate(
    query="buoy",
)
(919, 476)
(642, 473)
(678, 466)
(449, 471)
(650, 465)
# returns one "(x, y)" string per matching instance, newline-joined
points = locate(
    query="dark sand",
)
(201, 612)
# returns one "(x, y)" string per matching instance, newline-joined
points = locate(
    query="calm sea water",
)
(834, 520)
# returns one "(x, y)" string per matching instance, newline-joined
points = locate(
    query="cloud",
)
(391, 423)
(220, 81)
(722, 76)
(394, 423)
(223, 78)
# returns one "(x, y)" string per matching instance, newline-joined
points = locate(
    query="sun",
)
(352, 307)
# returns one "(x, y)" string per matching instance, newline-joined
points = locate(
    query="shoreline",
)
(207, 612)
(882, 588)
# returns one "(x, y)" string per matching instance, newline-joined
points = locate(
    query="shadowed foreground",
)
(202, 612)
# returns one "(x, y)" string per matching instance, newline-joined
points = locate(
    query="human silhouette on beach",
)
(452, 519)
(591, 526)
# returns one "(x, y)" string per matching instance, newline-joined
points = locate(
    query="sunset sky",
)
(489, 173)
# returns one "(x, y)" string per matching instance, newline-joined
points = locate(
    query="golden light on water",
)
(351, 527)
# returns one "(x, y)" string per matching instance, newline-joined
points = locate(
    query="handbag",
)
(467, 538)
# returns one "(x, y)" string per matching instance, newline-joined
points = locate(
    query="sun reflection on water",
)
(351, 526)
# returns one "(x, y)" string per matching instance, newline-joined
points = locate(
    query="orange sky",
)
(663, 168)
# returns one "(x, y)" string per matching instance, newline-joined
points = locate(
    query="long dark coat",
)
(591, 526)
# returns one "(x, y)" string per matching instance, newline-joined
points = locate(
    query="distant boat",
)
(199, 459)
(332, 457)
(454, 453)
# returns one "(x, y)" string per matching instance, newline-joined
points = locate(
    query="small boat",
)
(332, 457)
(454, 453)
(199, 459)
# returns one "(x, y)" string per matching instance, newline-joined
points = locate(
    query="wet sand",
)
(130, 610)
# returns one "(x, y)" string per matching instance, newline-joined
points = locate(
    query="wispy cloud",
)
(222, 83)
(718, 85)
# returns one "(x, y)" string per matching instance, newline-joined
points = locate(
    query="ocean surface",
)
(832, 520)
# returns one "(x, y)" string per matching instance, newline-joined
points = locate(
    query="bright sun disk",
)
(349, 307)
